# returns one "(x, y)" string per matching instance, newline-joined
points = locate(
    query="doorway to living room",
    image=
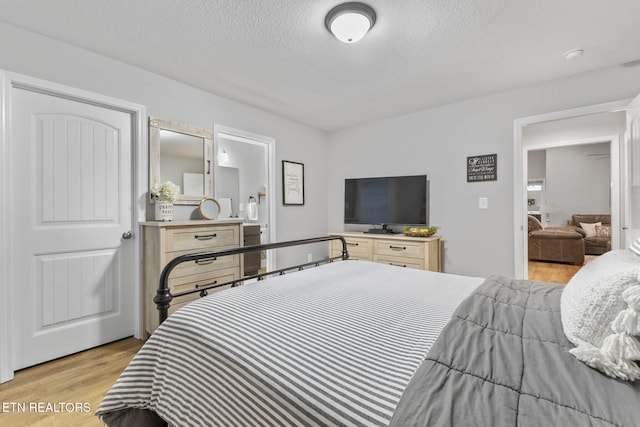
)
(584, 177)
(568, 183)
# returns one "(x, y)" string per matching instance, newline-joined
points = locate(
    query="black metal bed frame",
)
(164, 296)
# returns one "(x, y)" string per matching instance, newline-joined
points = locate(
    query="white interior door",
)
(71, 266)
(632, 227)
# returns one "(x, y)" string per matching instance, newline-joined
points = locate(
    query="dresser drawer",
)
(400, 261)
(163, 242)
(357, 248)
(179, 302)
(412, 252)
(399, 248)
(185, 283)
(201, 238)
(202, 266)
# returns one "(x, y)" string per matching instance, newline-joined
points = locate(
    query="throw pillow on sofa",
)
(603, 231)
(590, 229)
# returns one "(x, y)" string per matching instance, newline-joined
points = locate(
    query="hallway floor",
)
(554, 272)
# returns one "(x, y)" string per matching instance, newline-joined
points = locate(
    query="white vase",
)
(164, 211)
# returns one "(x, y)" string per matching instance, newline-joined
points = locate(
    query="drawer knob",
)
(397, 248)
(353, 244)
(204, 236)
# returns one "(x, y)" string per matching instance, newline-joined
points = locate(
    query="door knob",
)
(127, 235)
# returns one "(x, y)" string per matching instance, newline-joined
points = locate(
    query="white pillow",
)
(600, 310)
(590, 229)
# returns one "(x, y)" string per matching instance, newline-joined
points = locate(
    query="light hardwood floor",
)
(554, 272)
(551, 272)
(65, 392)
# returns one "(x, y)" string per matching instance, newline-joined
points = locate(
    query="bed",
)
(356, 343)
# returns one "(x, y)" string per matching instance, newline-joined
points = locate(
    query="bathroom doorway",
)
(244, 183)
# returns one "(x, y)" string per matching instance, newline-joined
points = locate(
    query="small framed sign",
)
(482, 168)
(292, 183)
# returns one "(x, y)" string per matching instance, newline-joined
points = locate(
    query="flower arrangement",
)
(165, 192)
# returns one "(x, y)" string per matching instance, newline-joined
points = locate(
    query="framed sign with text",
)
(292, 183)
(482, 168)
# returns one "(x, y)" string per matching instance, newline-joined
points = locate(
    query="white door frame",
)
(8, 81)
(520, 171)
(270, 144)
(632, 170)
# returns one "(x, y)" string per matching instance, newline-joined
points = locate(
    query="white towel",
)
(252, 210)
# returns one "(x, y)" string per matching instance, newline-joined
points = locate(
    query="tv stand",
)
(383, 230)
(422, 253)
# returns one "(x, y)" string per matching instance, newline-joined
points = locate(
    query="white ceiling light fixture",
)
(349, 22)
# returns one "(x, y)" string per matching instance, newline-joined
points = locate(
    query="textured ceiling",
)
(278, 56)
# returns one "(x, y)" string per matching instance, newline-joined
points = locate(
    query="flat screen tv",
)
(395, 200)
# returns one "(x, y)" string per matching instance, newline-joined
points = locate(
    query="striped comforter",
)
(333, 345)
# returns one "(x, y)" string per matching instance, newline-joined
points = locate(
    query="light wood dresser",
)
(164, 241)
(422, 253)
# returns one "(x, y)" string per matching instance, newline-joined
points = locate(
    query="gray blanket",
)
(503, 361)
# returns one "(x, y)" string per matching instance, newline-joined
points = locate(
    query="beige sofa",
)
(597, 239)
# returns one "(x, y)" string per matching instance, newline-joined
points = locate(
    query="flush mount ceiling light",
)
(349, 22)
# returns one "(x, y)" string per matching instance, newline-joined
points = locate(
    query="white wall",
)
(437, 142)
(537, 164)
(578, 182)
(30, 54)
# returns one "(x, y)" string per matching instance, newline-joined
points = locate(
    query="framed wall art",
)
(292, 183)
(482, 168)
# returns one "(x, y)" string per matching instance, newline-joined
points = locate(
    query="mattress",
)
(332, 345)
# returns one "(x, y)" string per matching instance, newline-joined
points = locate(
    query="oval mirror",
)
(209, 208)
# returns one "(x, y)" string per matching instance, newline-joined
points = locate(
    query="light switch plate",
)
(483, 203)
